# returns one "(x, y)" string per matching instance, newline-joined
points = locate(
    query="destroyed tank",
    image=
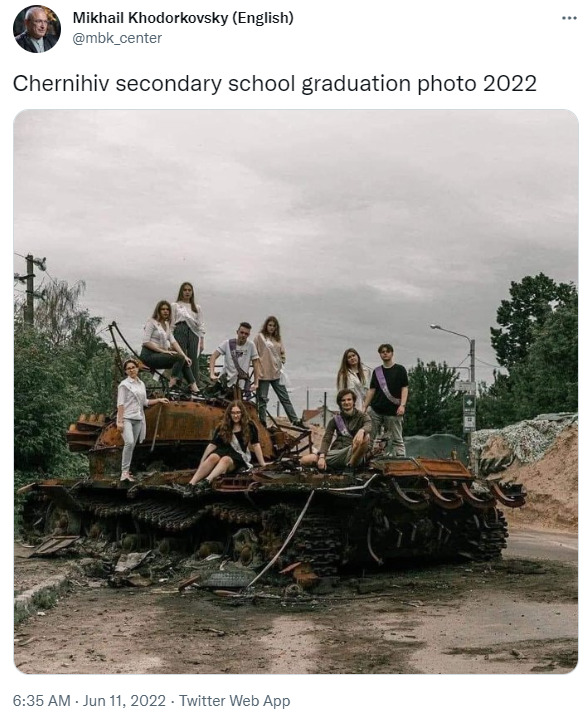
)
(396, 508)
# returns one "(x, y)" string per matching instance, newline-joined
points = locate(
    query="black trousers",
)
(178, 364)
(190, 343)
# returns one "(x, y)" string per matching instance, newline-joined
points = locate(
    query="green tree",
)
(547, 381)
(45, 400)
(433, 404)
(496, 406)
(533, 300)
(61, 368)
(63, 320)
(69, 326)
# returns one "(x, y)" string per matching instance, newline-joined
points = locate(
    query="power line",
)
(49, 275)
(463, 359)
(30, 292)
(492, 365)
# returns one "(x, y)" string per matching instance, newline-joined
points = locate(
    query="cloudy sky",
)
(352, 227)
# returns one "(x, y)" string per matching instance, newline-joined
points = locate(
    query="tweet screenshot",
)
(293, 390)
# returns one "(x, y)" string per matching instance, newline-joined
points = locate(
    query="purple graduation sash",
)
(341, 427)
(379, 371)
(241, 374)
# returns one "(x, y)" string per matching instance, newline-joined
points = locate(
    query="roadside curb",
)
(42, 596)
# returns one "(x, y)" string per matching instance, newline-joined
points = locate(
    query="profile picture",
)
(37, 28)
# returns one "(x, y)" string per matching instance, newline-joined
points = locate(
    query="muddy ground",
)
(513, 616)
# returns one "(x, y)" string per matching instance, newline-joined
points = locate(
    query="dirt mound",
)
(496, 447)
(551, 480)
(552, 486)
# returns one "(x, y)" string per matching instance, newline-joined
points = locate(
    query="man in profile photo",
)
(35, 38)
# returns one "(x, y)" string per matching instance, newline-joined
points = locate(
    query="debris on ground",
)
(542, 455)
(130, 561)
(526, 441)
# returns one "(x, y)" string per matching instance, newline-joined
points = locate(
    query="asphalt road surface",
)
(542, 545)
(518, 615)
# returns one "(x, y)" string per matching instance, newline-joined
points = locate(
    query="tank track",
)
(318, 539)
(166, 510)
(372, 530)
(482, 537)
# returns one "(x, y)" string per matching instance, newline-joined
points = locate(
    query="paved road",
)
(542, 545)
(454, 619)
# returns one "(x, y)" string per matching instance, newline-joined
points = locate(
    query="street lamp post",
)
(469, 409)
(472, 343)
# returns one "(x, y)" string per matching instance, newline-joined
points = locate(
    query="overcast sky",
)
(353, 227)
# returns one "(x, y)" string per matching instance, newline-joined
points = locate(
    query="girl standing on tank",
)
(161, 350)
(355, 376)
(187, 325)
(272, 356)
(130, 413)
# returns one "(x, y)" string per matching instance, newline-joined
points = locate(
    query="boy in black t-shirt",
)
(386, 399)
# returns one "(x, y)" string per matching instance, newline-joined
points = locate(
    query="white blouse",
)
(359, 389)
(180, 311)
(157, 333)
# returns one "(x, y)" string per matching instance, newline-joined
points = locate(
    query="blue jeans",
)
(281, 393)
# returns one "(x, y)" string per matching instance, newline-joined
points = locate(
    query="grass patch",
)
(43, 600)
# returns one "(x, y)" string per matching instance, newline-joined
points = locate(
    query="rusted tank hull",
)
(402, 508)
(176, 436)
(365, 520)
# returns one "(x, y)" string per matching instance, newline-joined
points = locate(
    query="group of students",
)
(371, 404)
(173, 339)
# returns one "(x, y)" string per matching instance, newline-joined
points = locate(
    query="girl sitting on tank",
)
(187, 325)
(230, 448)
(130, 414)
(354, 376)
(161, 350)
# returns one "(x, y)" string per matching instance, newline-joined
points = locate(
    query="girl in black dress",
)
(231, 446)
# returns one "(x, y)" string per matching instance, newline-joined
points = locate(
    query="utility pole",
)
(469, 391)
(29, 312)
(29, 309)
(472, 360)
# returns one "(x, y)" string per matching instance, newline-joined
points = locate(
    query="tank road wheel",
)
(318, 540)
(100, 529)
(60, 520)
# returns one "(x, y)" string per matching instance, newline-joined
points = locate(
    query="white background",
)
(327, 39)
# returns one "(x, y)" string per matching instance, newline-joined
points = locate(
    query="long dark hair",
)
(192, 304)
(344, 368)
(158, 306)
(276, 334)
(226, 426)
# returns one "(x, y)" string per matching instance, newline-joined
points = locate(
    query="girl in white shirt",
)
(161, 350)
(354, 376)
(187, 325)
(130, 413)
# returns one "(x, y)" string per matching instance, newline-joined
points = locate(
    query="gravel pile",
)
(528, 440)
